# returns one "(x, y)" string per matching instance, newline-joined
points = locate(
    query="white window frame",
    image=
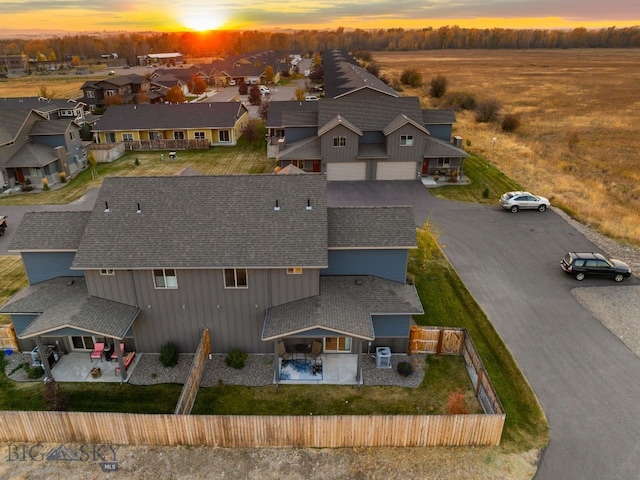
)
(91, 94)
(200, 135)
(406, 140)
(236, 277)
(444, 162)
(169, 278)
(107, 271)
(347, 345)
(224, 136)
(178, 135)
(127, 137)
(339, 141)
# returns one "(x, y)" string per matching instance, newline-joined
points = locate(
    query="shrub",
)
(54, 398)
(438, 86)
(485, 192)
(169, 355)
(411, 77)
(459, 101)
(235, 358)
(457, 403)
(63, 177)
(405, 368)
(488, 111)
(510, 122)
(45, 184)
(137, 162)
(35, 372)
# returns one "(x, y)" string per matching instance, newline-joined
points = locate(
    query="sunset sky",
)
(177, 15)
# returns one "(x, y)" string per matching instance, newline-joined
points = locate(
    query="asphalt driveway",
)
(586, 379)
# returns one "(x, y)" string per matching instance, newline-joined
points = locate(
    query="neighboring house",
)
(131, 88)
(14, 63)
(186, 125)
(256, 259)
(363, 130)
(33, 147)
(368, 135)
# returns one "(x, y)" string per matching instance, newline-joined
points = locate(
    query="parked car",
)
(3, 224)
(264, 90)
(311, 98)
(232, 83)
(515, 201)
(581, 265)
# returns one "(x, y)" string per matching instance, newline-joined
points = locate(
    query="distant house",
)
(363, 130)
(165, 126)
(40, 138)
(260, 260)
(131, 88)
(14, 63)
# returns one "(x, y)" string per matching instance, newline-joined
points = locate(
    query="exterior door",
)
(337, 344)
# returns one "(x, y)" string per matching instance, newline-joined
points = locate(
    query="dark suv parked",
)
(581, 265)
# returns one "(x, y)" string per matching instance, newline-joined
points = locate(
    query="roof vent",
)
(277, 207)
(139, 209)
(106, 207)
(359, 281)
(309, 207)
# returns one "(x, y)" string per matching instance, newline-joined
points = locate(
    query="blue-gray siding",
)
(389, 264)
(443, 132)
(387, 326)
(41, 266)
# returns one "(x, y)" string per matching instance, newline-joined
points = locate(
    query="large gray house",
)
(260, 260)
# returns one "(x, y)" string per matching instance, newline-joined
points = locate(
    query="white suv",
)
(514, 201)
(264, 90)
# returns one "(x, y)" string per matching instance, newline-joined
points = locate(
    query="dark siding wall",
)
(388, 326)
(339, 154)
(443, 132)
(403, 154)
(41, 266)
(389, 264)
(294, 134)
(234, 317)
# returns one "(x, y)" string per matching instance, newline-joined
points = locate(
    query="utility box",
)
(383, 357)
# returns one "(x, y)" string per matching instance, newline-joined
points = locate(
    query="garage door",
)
(346, 171)
(396, 170)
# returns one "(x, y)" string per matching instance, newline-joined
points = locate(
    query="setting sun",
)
(202, 19)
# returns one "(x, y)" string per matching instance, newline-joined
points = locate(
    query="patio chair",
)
(282, 350)
(98, 350)
(316, 349)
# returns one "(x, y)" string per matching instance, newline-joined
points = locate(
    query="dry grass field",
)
(578, 142)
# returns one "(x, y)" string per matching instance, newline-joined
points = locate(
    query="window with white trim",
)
(165, 278)
(127, 137)
(199, 135)
(444, 162)
(223, 136)
(107, 271)
(406, 140)
(294, 271)
(90, 94)
(235, 278)
(178, 135)
(339, 141)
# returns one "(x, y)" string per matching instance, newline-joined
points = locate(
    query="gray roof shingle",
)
(371, 227)
(51, 231)
(369, 116)
(344, 306)
(207, 222)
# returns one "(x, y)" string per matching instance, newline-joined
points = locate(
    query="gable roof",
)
(286, 113)
(439, 116)
(207, 222)
(64, 302)
(371, 227)
(345, 306)
(400, 121)
(12, 121)
(169, 116)
(51, 127)
(32, 155)
(369, 116)
(434, 148)
(338, 120)
(49, 231)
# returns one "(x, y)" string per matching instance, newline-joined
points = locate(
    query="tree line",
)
(222, 43)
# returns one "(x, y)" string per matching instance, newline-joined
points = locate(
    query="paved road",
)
(586, 379)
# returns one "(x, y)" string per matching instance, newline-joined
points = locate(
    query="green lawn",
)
(445, 298)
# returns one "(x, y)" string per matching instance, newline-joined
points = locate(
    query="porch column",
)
(116, 347)
(359, 362)
(276, 363)
(43, 359)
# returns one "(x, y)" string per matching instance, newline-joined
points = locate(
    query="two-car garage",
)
(384, 170)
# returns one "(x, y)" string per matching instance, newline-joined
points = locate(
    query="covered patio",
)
(340, 319)
(51, 311)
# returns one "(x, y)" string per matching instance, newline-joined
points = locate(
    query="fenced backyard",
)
(314, 431)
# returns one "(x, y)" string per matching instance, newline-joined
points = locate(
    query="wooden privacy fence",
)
(253, 431)
(8, 339)
(457, 341)
(191, 386)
